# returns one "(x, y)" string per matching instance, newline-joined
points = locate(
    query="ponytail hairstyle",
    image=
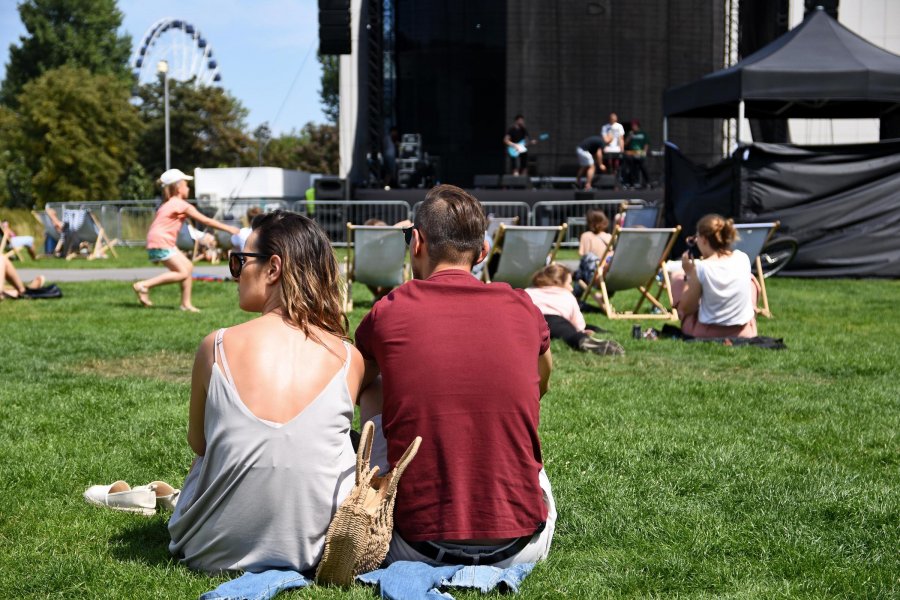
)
(310, 279)
(718, 231)
(553, 275)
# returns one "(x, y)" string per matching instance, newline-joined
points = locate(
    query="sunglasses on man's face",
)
(407, 234)
(237, 260)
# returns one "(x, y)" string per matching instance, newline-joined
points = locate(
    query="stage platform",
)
(530, 197)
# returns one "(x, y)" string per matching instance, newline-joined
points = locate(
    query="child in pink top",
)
(162, 235)
(551, 292)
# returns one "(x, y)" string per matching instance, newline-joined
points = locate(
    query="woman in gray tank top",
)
(271, 408)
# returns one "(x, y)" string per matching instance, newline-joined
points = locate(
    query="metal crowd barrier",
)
(129, 220)
(333, 215)
(572, 212)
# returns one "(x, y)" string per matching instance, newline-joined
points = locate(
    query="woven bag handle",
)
(364, 454)
(401, 466)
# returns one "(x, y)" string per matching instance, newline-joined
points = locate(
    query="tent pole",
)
(740, 121)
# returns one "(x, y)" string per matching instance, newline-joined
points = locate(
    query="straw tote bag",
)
(360, 532)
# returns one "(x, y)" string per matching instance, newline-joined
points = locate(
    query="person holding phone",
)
(716, 294)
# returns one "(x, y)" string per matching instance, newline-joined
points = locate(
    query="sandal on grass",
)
(143, 293)
(120, 496)
(166, 495)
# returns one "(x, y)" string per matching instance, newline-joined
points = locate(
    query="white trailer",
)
(220, 189)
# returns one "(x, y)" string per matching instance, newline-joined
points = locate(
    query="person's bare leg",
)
(180, 268)
(187, 268)
(590, 177)
(11, 275)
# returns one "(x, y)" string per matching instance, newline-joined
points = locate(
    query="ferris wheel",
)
(187, 53)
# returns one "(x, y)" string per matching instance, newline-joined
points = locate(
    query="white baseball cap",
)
(173, 176)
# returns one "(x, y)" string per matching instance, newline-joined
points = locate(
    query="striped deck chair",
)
(752, 237)
(86, 229)
(376, 256)
(637, 262)
(520, 251)
(637, 215)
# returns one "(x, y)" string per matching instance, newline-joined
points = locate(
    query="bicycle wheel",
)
(777, 254)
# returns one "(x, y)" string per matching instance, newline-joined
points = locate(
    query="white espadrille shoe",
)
(120, 496)
(166, 495)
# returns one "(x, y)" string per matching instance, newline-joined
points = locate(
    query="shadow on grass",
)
(146, 542)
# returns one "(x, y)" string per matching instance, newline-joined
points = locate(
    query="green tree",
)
(79, 133)
(59, 32)
(15, 179)
(206, 127)
(330, 94)
(315, 148)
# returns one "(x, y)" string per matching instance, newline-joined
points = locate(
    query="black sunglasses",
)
(407, 234)
(237, 260)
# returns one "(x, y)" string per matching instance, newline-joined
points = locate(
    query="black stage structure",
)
(457, 72)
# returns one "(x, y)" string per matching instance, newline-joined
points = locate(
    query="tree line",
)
(75, 126)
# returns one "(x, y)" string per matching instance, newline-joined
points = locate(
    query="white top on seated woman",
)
(271, 407)
(716, 296)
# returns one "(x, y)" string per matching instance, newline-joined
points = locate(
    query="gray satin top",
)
(263, 495)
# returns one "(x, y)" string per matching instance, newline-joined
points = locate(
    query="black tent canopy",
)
(820, 69)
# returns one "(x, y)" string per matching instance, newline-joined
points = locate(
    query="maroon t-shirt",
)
(459, 364)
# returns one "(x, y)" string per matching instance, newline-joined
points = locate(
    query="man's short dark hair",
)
(519, 116)
(452, 222)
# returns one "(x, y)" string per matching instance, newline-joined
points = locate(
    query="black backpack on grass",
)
(43, 293)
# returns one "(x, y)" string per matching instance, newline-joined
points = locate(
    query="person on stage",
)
(516, 141)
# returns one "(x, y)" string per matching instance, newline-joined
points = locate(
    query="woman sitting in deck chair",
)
(715, 296)
(591, 246)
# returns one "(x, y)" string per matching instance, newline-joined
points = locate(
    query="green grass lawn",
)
(680, 470)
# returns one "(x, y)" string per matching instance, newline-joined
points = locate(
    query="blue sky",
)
(260, 46)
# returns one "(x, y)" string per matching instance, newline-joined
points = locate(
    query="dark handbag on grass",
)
(43, 293)
(360, 532)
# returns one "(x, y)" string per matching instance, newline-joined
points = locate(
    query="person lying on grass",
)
(271, 408)
(551, 292)
(11, 276)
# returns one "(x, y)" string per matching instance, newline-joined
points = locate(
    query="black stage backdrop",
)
(841, 203)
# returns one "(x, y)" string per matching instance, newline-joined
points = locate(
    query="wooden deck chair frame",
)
(101, 242)
(350, 270)
(599, 281)
(496, 248)
(49, 230)
(6, 240)
(762, 305)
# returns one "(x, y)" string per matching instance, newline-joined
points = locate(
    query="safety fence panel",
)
(333, 215)
(235, 209)
(500, 210)
(572, 213)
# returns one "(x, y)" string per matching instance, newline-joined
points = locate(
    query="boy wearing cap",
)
(163, 232)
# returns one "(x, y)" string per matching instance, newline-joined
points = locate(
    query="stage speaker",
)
(515, 182)
(486, 181)
(584, 195)
(334, 27)
(331, 188)
(605, 182)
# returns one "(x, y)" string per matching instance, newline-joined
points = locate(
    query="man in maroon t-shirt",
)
(463, 364)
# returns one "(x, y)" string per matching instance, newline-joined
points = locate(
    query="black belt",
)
(452, 556)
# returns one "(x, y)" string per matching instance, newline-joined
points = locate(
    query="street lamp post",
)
(163, 67)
